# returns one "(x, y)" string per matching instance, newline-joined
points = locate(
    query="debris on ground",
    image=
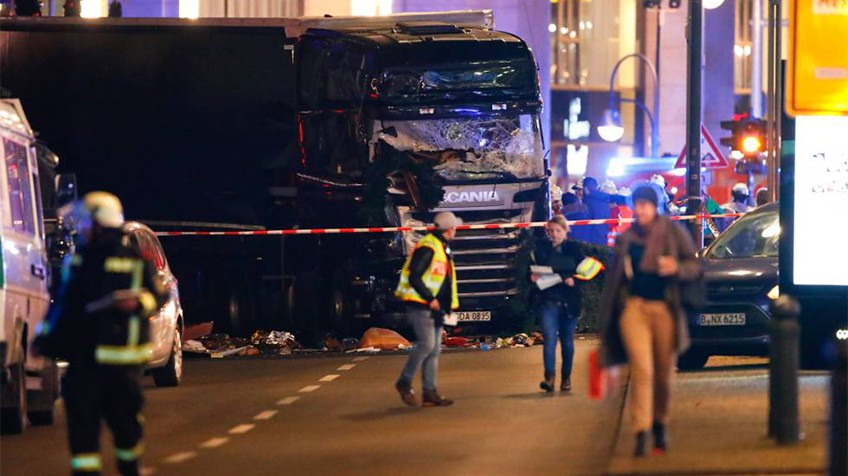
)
(194, 347)
(195, 331)
(383, 339)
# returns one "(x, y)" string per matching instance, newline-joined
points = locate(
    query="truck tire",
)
(13, 417)
(41, 405)
(693, 360)
(172, 373)
(339, 312)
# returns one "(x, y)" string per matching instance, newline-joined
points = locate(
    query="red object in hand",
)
(596, 376)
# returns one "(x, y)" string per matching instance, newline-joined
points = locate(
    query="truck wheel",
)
(13, 418)
(693, 360)
(172, 373)
(339, 311)
(41, 404)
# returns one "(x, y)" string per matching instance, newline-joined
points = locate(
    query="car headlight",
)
(774, 293)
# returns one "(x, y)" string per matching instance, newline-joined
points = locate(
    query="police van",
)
(28, 384)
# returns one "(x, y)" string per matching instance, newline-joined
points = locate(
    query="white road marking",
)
(146, 471)
(181, 457)
(346, 367)
(309, 388)
(328, 378)
(214, 443)
(266, 415)
(241, 429)
(288, 400)
(360, 359)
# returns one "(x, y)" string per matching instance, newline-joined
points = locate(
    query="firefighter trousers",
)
(93, 393)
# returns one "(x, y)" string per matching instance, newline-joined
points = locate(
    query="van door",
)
(23, 244)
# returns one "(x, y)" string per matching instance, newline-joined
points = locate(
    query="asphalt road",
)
(341, 415)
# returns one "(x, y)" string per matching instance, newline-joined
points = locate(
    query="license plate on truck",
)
(474, 316)
(728, 319)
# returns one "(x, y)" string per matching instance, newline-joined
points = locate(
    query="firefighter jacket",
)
(84, 325)
(434, 275)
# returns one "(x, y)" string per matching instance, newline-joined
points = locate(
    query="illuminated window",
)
(20, 191)
(189, 9)
(371, 7)
(93, 8)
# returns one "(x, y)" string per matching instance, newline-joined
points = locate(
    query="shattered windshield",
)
(472, 148)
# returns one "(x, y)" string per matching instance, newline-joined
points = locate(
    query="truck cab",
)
(29, 384)
(399, 123)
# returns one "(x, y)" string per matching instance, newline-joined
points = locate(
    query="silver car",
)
(166, 327)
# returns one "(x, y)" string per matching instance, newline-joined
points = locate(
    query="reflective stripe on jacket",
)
(433, 278)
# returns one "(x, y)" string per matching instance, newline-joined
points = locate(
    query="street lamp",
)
(610, 129)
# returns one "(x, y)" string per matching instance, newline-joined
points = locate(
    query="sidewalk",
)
(718, 426)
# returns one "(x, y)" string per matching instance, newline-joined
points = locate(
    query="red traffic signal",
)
(747, 136)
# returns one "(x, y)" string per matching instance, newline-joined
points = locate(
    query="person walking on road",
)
(98, 323)
(428, 287)
(643, 318)
(559, 304)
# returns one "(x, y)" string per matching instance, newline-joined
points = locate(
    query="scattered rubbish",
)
(350, 343)
(194, 347)
(226, 353)
(384, 339)
(274, 342)
(458, 342)
(196, 331)
(367, 350)
(331, 343)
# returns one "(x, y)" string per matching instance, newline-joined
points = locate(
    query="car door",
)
(161, 326)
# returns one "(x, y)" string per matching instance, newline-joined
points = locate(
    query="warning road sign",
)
(711, 157)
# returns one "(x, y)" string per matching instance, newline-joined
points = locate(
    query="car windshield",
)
(752, 236)
(472, 148)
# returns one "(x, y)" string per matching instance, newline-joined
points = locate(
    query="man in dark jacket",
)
(598, 204)
(428, 287)
(99, 324)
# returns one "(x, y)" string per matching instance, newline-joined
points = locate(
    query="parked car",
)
(741, 274)
(166, 327)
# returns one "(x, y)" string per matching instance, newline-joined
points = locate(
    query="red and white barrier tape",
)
(396, 229)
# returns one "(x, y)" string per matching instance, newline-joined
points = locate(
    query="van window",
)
(20, 191)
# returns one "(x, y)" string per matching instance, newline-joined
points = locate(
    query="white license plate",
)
(466, 316)
(730, 319)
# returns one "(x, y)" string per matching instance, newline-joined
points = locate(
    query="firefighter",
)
(428, 288)
(99, 325)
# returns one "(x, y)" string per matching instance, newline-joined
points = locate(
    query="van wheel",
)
(13, 418)
(692, 360)
(172, 373)
(41, 404)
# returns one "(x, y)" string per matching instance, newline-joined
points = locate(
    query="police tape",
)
(398, 229)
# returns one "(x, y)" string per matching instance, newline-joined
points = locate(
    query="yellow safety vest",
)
(433, 278)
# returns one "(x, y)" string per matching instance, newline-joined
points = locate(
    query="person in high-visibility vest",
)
(99, 324)
(428, 287)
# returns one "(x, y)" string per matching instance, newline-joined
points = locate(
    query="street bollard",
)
(838, 444)
(783, 371)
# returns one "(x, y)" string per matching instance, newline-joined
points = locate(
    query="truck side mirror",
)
(66, 189)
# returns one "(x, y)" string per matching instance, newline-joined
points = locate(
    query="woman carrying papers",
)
(554, 263)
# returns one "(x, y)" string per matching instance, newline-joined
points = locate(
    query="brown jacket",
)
(679, 244)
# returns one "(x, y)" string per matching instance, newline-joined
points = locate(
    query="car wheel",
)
(13, 418)
(172, 373)
(692, 360)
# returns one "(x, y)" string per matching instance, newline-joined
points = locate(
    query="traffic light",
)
(747, 137)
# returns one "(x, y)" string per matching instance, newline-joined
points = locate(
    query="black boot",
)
(548, 384)
(660, 438)
(565, 385)
(406, 394)
(641, 444)
(432, 398)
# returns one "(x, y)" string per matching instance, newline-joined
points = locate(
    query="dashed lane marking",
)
(346, 367)
(288, 400)
(328, 378)
(266, 415)
(181, 457)
(309, 388)
(241, 429)
(214, 443)
(360, 359)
